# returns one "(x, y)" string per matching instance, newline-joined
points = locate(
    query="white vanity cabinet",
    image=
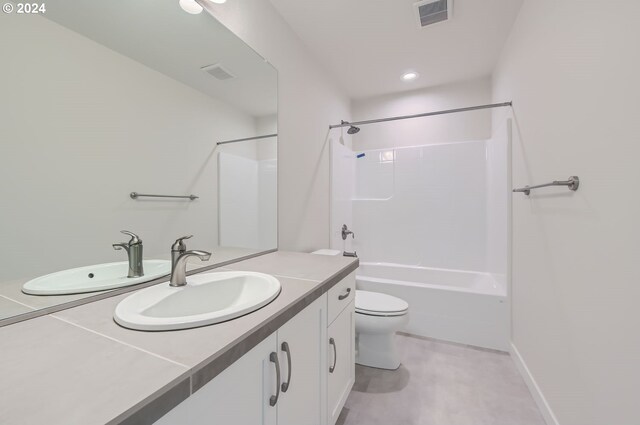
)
(301, 343)
(239, 395)
(250, 391)
(341, 337)
(341, 346)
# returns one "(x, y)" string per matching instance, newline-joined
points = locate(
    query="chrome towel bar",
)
(136, 195)
(573, 183)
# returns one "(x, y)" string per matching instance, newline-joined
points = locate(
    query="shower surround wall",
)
(247, 194)
(431, 227)
(423, 206)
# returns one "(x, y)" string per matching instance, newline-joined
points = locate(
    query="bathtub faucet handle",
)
(346, 232)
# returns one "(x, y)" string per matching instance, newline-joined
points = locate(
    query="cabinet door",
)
(301, 343)
(341, 360)
(239, 395)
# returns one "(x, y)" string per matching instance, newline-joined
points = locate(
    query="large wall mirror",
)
(101, 99)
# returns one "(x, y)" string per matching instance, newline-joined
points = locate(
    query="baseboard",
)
(537, 395)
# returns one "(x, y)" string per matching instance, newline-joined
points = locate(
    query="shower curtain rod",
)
(266, 136)
(427, 114)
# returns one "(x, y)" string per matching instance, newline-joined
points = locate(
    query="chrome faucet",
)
(178, 248)
(134, 252)
(346, 232)
(179, 273)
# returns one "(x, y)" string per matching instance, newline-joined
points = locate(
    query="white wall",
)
(82, 127)
(308, 102)
(571, 68)
(475, 125)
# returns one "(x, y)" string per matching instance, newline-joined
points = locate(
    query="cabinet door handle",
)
(342, 297)
(273, 357)
(335, 354)
(285, 348)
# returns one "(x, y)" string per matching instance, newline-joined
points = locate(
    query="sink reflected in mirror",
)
(99, 277)
(206, 299)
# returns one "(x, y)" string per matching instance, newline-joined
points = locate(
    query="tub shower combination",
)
(431, 228)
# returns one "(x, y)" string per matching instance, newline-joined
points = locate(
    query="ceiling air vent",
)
(433, 11)
(218, 72)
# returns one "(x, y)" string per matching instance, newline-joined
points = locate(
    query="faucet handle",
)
(135, 240)
(346, 232)
(179, 244)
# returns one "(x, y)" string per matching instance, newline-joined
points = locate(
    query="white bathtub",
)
(451, 305)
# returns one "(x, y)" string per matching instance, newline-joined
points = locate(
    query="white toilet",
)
(378, 318)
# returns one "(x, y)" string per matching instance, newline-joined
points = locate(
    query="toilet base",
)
(377, 350)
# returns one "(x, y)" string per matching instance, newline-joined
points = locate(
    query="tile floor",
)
(441, 383)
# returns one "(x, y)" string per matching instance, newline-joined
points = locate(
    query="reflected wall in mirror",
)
(104, 98)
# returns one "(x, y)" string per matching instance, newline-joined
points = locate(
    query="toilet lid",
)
(377, 304)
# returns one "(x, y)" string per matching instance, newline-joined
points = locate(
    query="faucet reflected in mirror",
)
(134, 252)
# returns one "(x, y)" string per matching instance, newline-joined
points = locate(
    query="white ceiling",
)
(368, 44)
(160, 35)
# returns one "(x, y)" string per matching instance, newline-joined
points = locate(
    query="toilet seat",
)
(377, 304)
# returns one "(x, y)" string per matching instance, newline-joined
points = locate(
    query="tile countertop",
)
(78, 366)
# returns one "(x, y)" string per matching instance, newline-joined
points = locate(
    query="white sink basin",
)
(206, 299)
(99, 277)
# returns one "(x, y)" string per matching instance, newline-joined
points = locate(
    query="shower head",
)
(352, 129)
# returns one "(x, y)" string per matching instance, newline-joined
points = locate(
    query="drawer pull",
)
(273, 357)
(285, 348)
(342, 297)
(335, 355)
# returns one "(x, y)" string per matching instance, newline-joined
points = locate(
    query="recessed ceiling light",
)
(410, 76)
(190, 6)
